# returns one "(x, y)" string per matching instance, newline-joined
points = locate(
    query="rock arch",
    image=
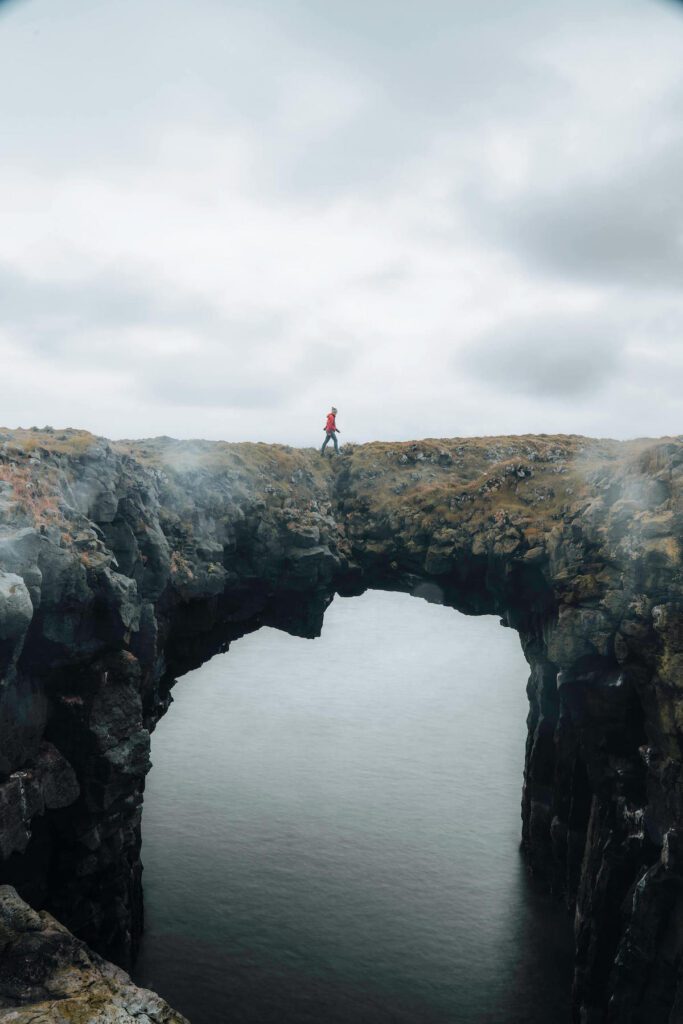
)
(125, 565)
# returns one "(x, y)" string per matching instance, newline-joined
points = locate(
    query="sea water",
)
(331, 830)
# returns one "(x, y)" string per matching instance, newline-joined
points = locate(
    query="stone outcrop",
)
(49, 977)
(124, 565)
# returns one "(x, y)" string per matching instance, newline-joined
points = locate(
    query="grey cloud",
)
(46, 314)
(550, 357)
(105, 300)
(387, 277)
(626, 229)
(325, 358)
(51, 318)
(181, 382)
(448, 67)
(417, 70)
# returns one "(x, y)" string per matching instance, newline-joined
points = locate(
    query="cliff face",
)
(125, 565)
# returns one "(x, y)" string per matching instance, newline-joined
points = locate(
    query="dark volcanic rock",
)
(49, 977)
(125, 565)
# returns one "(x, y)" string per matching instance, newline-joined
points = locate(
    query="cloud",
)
(108, 296)
(626, 228)
(586, 188)
(179, 384)
(556, 358)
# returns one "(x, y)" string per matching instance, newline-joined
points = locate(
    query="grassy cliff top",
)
(530, 476)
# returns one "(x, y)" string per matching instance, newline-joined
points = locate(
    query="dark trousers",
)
(331, 436)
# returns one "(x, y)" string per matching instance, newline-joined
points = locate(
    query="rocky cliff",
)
(49, 977)
(126, 564)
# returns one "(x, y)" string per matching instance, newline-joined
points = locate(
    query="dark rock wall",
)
(122, 566)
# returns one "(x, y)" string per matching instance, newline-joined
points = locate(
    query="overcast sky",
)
(446, 217)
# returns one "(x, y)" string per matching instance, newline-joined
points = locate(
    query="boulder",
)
(48, 977)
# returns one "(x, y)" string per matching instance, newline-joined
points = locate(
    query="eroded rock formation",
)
(48, 977)
(125, 565)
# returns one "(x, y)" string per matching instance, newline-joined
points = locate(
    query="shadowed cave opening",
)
(331, 830)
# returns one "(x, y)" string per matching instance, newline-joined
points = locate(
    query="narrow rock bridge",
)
(125, 565)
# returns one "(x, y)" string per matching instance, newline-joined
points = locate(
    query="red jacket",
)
(330, 426)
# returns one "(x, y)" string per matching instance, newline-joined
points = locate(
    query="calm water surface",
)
(331, 830)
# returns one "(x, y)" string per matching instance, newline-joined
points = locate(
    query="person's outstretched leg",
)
(336, 442)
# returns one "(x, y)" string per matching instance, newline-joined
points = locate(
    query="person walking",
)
(331, 430)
